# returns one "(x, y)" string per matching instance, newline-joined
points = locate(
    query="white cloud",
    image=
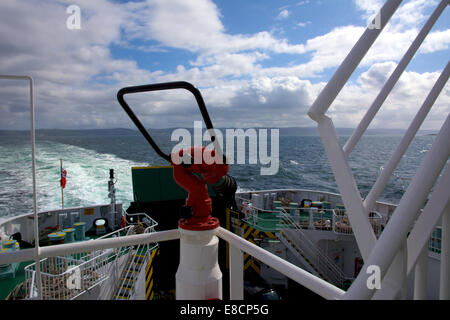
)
(303, 24)
(77, 76)
(371, 7)
(436, 41)
(283, 14)
(302, 3)
(401, 105)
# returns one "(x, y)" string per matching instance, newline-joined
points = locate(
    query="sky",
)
(257, 63)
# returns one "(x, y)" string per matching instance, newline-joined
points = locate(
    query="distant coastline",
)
(289, 131)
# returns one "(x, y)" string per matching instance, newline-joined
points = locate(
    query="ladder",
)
(306, 251)
(126, 283)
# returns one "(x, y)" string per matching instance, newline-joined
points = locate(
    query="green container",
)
(316, 204)
(80, 231)
(156, 183)
(267, 221)
(276, 205)
(293, 208)
(326, 205)
(70, 235)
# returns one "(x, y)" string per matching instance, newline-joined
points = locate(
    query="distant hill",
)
(290, 131)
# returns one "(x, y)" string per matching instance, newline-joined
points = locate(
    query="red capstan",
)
(198, 197)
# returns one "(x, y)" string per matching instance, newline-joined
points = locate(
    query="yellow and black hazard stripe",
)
(149, 275)
(304, 257)
(235, 224)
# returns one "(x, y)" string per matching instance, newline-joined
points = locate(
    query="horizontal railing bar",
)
(317, 285)
(90, 245)
(390, 83)
(15, 77)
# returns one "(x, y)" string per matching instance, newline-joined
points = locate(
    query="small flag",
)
(63, 178)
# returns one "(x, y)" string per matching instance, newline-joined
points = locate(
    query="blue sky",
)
(257, 63)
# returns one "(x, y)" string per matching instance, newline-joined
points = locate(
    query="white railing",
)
(92, 268)
(317, 258)
(341, 223)
(132, 269)
(147, 220)
(392, 251)
(435, 242)
(290, 227)
(237, 246)
(297, 274)
(67, 277)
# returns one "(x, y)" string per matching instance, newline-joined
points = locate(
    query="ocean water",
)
(88, 155)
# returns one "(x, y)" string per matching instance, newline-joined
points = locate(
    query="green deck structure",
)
(153, 184)
(8, 284)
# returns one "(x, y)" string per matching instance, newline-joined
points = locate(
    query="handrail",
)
(132, 264)
(297, 274)
(105, 236)
(77, 247)
(324, 262)
(94, 262)
(154, 223)
(93, 256)
(306, 279)
(32, 285)
(33, 168)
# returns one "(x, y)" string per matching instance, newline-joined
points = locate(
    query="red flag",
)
(63, 178)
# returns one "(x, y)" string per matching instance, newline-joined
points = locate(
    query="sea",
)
(88, 155)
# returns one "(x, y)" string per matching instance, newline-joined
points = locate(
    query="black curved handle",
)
(158, 87)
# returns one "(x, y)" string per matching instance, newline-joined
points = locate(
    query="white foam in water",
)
(87, 178)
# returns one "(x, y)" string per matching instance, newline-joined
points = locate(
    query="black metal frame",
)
(159, 87)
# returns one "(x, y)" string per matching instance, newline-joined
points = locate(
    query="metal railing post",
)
(33, 165)
(420, 275)
(444, 290)
(236, 273)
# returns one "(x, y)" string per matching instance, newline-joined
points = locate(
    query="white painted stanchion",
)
(420, 276)
(236, 273)
(444, 290)
(198, 276)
